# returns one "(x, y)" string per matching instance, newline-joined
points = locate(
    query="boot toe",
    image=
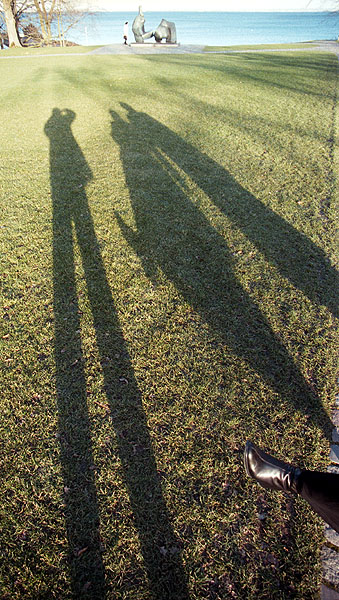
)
(248, 458)
(269, 472)
(254, 464)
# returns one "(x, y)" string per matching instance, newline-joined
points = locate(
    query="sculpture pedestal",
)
(153, 45)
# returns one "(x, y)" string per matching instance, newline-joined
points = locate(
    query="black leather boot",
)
(269, 472)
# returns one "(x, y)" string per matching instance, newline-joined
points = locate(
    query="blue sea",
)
(214, 28)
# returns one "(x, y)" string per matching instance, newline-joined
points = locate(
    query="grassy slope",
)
(196, 297)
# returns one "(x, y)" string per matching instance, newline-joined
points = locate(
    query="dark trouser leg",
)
(321, 490)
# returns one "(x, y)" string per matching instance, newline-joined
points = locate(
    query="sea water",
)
(214, 28)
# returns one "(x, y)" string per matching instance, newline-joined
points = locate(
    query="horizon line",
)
(297, 10)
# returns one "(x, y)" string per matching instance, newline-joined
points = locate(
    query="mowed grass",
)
(46, 51)
(168, 292)
(254, 47)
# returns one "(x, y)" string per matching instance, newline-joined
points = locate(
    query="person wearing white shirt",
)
(126, 32)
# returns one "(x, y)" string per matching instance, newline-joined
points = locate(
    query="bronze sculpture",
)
(165, 30)
(138, 28)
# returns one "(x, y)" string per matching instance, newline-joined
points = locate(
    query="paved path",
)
(330, 553)
(150, 48)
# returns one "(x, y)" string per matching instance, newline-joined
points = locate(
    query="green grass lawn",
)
(46, 51)
(168, 292)
(297, 46)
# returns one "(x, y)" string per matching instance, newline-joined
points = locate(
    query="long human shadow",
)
(69, 174)
(296, 257)
(171, 233)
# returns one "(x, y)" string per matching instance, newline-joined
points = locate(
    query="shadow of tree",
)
(171, 233)
(69, 174)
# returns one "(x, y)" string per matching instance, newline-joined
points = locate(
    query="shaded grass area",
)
(168, 292)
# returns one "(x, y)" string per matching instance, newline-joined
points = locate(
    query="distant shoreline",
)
(217, 12)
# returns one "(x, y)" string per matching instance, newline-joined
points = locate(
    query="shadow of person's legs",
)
(80, 497)
(160, 550)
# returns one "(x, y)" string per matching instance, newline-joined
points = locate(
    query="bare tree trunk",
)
(61, 30)
(13, 38)
(46, 14)
(42, 22)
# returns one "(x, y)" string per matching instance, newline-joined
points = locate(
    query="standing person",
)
(125, 32)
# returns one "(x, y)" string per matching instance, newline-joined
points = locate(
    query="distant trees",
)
(66, 16)
(37, 22)
(45, 12)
